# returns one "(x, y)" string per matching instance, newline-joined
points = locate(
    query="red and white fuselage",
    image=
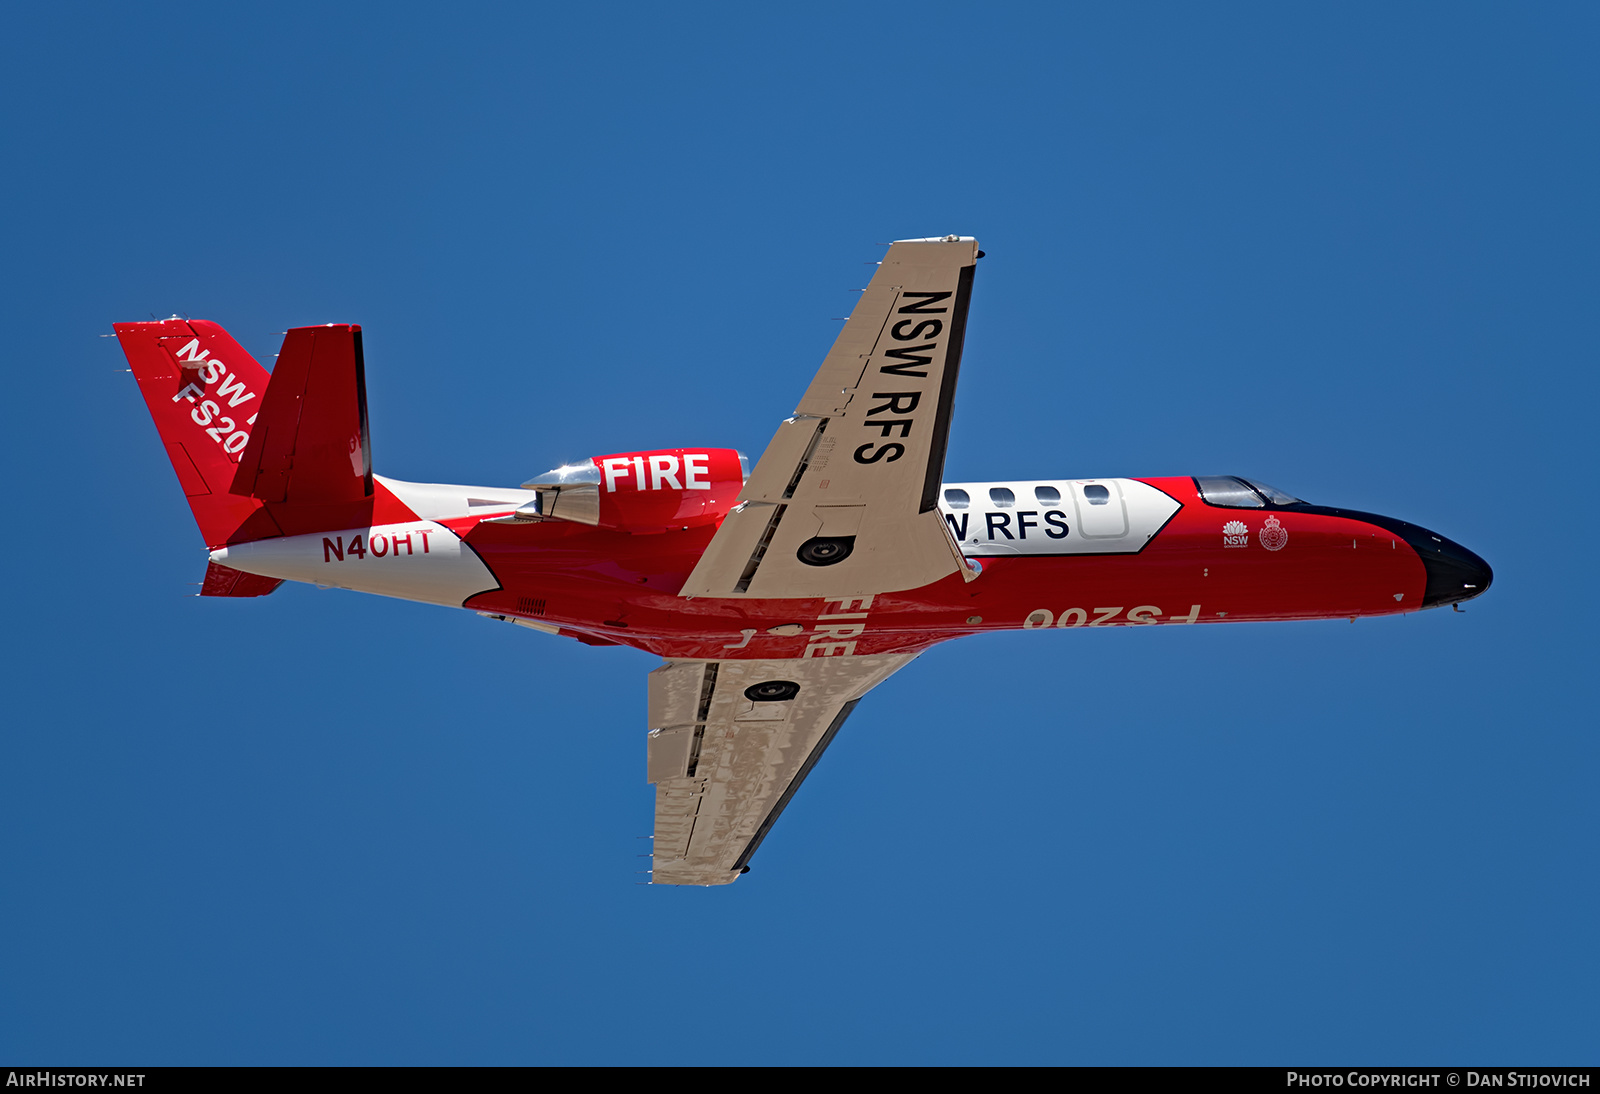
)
(1148, 552)
(779, 595)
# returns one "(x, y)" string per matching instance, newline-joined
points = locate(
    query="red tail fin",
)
(258, 459)
(204, 392)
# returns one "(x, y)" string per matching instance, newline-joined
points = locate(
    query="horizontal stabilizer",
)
(310, 444)
(224, 581)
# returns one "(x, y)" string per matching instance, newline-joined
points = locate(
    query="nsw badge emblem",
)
(1273, 536)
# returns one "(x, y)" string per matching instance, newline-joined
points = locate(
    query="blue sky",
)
(1346, 249)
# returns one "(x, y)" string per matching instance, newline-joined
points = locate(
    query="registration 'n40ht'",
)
(777, 596)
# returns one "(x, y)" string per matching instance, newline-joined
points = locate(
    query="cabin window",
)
(957, 499)
(1228, 492)
(1097, 495)
(1047, 495)
(1002, 497)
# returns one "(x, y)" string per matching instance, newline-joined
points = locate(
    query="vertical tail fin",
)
(204, 393)
(256, 459)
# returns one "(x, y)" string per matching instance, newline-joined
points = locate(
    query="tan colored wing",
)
(727, 751)
(844, 502)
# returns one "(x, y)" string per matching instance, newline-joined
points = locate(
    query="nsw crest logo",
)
(1235, 534)
(1273, 536)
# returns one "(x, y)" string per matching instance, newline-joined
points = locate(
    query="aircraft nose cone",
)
(1454, 573)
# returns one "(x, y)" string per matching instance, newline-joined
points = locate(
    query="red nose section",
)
(1454, 573)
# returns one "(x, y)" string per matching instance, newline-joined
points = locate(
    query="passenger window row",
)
(1225, 491)
(1004, 498)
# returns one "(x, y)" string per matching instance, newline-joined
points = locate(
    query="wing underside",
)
(844, 501)
(731, 741)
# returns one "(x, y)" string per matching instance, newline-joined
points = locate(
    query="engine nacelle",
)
(641, 492)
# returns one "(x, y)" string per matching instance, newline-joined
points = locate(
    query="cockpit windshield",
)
(1273, 494)
(1229, 492)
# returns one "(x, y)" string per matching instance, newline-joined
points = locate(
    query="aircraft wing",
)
(844, 501)
(731, 741)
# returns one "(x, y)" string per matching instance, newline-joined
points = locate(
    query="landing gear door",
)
(1102, 512)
